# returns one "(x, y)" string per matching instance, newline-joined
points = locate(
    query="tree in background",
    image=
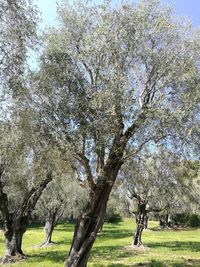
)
(22, 180)
(62, 199)
(18, 34)
(158, 182)
(18, 21)
(111, 80)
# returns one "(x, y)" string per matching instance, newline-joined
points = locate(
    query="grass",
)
(112, 248)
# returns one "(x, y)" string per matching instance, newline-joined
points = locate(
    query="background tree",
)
(18, 35)
(112, 79)
(21, 184)
(158, 181)
(62, 199)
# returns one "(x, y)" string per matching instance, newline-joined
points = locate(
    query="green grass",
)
(112, 248)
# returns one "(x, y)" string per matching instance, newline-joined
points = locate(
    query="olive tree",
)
(61, 200)
(112, 79)
(18, 34)
(23, 177)
(157, 182)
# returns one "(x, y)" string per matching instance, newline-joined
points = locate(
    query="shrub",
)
(113, 218)
(186, 219)
(194, 220)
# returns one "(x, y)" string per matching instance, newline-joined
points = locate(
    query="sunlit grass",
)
(112, 247)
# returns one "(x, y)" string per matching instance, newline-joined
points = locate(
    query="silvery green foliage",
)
(13, 165)
(17, 34)
(164, 179)
(104, 66)
(22, 167)
(63, 198)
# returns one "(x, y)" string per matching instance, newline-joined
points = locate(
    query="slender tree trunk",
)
(164, 221)
(137, 239)
(49, 227)
(146, 219)
(87, 227)
(141, 221)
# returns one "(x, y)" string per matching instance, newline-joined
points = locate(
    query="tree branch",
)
(33, 195)
(85, 162)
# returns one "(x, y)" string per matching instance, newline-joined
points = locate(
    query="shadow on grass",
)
(177, 245)
(115, 234)
(68, 227)
(111, 265)
(172, 229)
(185, 263)
(111, 253)
(53, 256)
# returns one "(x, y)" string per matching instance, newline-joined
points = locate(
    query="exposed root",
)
(137, 248)
(12, 259)
(47, 244)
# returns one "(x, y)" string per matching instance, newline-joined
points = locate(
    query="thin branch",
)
(33, 196)
(86, 66)
(85, 162)
(138, 149)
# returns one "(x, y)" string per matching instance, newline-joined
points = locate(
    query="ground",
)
(170, 248)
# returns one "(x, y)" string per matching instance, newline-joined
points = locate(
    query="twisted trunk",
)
(87, 227)
(89, 223)
(10, 248)
(13, 241)
(141, 221)
(164, 221)
(15, 225)
(18, 235)
(49, 227)
(20, 227)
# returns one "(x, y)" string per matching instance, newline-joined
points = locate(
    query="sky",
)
(190, 8)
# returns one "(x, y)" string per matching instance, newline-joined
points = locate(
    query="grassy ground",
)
(112, 248)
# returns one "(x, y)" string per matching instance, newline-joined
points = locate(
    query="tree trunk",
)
(87, 227)
(15, 226)
(49, 227)
(164, 221)
(10, 248)
(89, 223)
(13, 246)
(9, 240)
(141, 221)
(18, 235)
(146, 219)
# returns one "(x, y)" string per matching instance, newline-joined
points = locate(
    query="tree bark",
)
(141, 222)
(20, 227)
(15, 226)
(49, 227)
(10, 248)
(89, 223)
(164, 221)
(13, 242)
(87, 227)
(18, 242)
